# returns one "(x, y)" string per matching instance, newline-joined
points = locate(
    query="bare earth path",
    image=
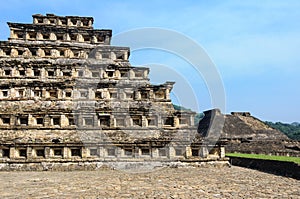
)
(234, 182)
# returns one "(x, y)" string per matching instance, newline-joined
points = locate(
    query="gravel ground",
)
(234, 182)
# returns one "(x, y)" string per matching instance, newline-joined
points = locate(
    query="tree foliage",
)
(291, 130)
(179, 108)
(198, 116)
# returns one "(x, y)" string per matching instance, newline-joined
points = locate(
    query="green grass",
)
(265, 157)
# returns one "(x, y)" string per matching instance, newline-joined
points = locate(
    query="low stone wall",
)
(288, 169)
(281, 148)
(134, 166)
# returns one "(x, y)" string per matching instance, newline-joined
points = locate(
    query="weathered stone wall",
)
(131, 166)
(282, 148)
(289, 169)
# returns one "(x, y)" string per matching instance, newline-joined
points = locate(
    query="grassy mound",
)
(265, 157)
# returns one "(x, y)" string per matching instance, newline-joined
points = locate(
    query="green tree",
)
(291, 130)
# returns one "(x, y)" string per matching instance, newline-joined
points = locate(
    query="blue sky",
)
(255, 45)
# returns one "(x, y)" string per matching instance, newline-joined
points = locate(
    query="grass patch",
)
(265, 157)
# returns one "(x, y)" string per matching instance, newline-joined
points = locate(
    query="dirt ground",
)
(234, 182)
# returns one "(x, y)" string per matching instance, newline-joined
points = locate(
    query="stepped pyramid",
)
(67, 95)
(247, 134)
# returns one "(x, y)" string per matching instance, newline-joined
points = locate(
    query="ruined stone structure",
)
(247, 134)
(67, 95)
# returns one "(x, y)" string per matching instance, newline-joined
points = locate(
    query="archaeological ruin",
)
(245, 133)
(67, 97)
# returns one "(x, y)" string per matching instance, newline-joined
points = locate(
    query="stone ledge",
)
(130, 166)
